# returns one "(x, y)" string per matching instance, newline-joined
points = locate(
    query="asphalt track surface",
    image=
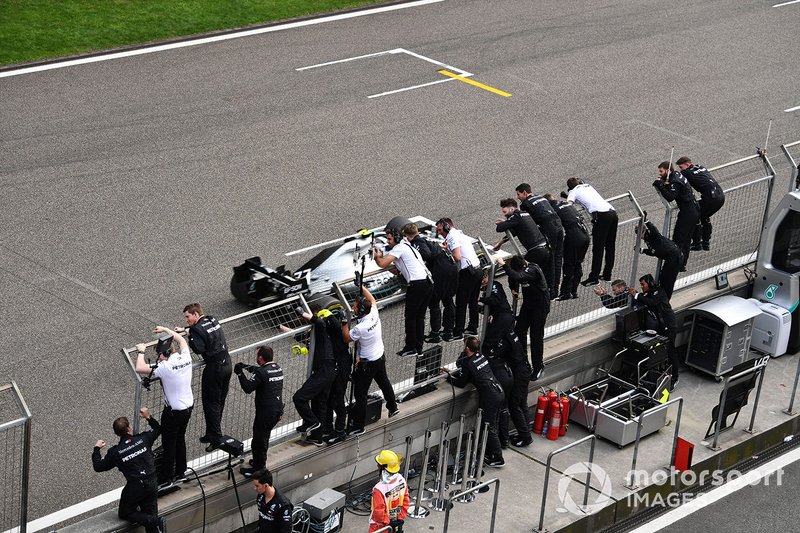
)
(131, 187)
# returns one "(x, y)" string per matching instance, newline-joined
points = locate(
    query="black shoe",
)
(706, 246)
(313, 427)
(562, 297)
(674, 384)
(211, 447)
(302, 428)
(248, 472)
(452, 337)
(522, 442)
(434, 337)
(162, 525)
(471, 331)
(316, 441)
(536, 373)
(682, 269)
(575, 296)
(408, 352)
(495, 462)
(204, 439)
(166, 485)
(588, 282)
(336, 438)
(504, 445)
(394, 413)
(355, 432)
(696, 247)
(603, 277)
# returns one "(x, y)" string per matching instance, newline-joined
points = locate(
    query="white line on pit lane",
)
(796, 108)
(787, 3)
(213, 39)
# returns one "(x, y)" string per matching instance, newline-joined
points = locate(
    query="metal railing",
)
(550, 456)
(759, 367)
(477, 488)
(794, 175)
(790, 410)
(631, 484)
(15, 438)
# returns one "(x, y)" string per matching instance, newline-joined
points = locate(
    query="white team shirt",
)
(456, 239)
(176, 378)
(369, 334)
(409, 262)
(589, 198)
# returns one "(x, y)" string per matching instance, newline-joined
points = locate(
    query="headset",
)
(445, 223)
(363, 305)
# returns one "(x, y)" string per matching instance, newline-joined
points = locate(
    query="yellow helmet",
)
(389, 460)
(324, 313)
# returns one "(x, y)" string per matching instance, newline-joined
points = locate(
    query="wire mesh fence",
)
(792, 153)
(15, 440)
(737, 227)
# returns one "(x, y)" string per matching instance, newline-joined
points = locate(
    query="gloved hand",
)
(648, 251)
(146, 381)
(564, 195)
(396, 525)
(658, 184)
(238, 368)
(299, 310)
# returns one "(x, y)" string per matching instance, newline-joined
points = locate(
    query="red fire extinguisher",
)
(555, 421)
(564, 416)
(541, 413)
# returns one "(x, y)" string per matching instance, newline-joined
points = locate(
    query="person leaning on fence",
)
(133, 455)
(390, 499)
(469, 278)
(668, 252)
(174, 369)
(618, 298)
(266, 379)
(576, 244)
(550, 223)
(659, 317)
(370, 360)
(418, 292)
(334, 431)
(207, 340)
(506, 356)
(311, 399)
(604, 228)
(522, 226)
(712, 198)
(474, 368)
(274, 509)
(673, 187)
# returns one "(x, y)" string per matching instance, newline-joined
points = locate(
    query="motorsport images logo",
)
(578, 473)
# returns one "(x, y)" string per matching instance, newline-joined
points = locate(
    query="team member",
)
(311, 399)
(522, 226)
(445, 278)
(418, 293)
(528, 278)
(576, 244)
(207, 340)
(712, 198)
(390, 499)
(674, 187)
(134, 458)
(618, 297)
(266, 380)
(474, 368)
(335, 431)
(371, 361)
(506, 356)
(604, 228)
(174, 369)
(657, 304)
(669, 253)
(469, 278)
(274, 509)
(550, 222)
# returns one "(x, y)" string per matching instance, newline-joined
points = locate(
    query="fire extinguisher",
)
(564, 416)
(541, 413)
(555, 421)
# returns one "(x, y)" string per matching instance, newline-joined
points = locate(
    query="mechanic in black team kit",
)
(208, 341)
(522, 226)
(673, 187)
(712, 198)
(549, 221)
(576, 244)
(134, 458)
(274, 509)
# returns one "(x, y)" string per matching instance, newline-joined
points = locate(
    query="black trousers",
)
(503, 376)
(311, 399)
(518, 399)
(444, 288)
(532, 317)
(544, 258)
(669, 273)
(469, 289)
(139, 503)
(672, 352)
(685, 225)
(491, 413)
(215, 382)
(708, 206)
(336, 404)
(173, 442)
(555, 236)
(576, 244)
(418, 295)
(363, 375)
(266, 419)
(604, 241)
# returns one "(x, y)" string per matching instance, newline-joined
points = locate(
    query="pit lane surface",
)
(132, 186)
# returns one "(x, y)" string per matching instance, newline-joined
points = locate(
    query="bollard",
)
(476, 480)
(467, 496)
(474, 458)
(461, 421)
(438, 481)
(440, 503)
(417, 510)
(407, 456)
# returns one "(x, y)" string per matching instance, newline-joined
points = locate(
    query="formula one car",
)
(256, 284)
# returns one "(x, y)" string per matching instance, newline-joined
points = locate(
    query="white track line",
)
(792, 108)
(214, 39)
(409, 88)
(395, 51)
(787, 3)
(714, 495)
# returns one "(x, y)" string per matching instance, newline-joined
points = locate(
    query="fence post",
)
(638, 247)
(485, 321)
(310, 358)
(789, 411)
